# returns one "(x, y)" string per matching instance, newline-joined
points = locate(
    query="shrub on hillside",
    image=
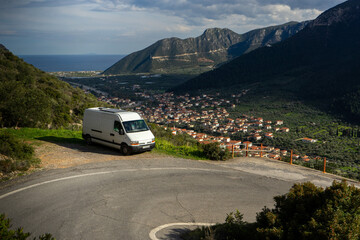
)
(7, 233)
(15, 154)
(213, 151)
(306, 212)
(309, 212)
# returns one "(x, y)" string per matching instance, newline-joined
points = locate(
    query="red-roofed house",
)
(309, 140)
(305, 158)
(283, 152)
(248, 143)
(279, 122)
(285, 129)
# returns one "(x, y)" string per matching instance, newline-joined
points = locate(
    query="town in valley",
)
(205, 117)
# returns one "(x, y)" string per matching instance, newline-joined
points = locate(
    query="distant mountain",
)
(203, 53)
(320, 62)
(265, 37)
(30, 97)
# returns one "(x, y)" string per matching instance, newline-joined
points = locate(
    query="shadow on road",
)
(59, 140)
(80, 145)
(175, 234)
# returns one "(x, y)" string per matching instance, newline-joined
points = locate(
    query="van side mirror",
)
(121, 132)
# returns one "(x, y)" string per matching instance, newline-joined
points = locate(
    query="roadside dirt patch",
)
(64, 155)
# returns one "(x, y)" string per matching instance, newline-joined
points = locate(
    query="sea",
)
(71, 63)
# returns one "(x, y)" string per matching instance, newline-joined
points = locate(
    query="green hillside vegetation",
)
(305, 212)
(32, 98)
(319, 63)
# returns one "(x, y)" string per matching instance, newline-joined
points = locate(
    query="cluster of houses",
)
(209, 114)
(246, 148)
(117, 101)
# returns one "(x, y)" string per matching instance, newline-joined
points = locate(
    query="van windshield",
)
(135, 126)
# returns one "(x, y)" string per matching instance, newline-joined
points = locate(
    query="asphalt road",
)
(146, 199)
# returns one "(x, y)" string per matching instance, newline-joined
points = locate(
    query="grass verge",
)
(51, 135)
(191, 152)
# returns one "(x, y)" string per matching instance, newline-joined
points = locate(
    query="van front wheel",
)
(88, 140)
(125, 149)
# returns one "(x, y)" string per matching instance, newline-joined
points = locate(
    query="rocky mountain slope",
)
(320, 62)
(203, 53)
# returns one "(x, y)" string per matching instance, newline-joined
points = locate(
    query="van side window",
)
(117, 126)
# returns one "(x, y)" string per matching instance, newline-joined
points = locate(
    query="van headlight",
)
(153, 140)
(134, 143)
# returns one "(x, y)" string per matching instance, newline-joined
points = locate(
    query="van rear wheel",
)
(125, 149)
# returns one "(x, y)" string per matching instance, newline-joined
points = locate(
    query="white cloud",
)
(283, 13)
(194, 10)
(124, 26)
(303, 4)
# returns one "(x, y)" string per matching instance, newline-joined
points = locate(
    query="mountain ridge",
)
(194, 55)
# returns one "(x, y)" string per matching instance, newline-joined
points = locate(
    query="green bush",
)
(16, 155)
(234, 228)
(309, 212)
(8, 234)
(12, 147)
(213, 151)
(306, 212)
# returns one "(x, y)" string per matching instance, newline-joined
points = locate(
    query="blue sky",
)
(125, 26)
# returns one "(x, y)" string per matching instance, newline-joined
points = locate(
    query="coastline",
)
(72, 63)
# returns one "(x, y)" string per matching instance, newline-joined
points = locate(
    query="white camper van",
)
(117, 128)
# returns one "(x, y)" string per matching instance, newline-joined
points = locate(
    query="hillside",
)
(203, 53)
(319, 63)
(32, 98)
